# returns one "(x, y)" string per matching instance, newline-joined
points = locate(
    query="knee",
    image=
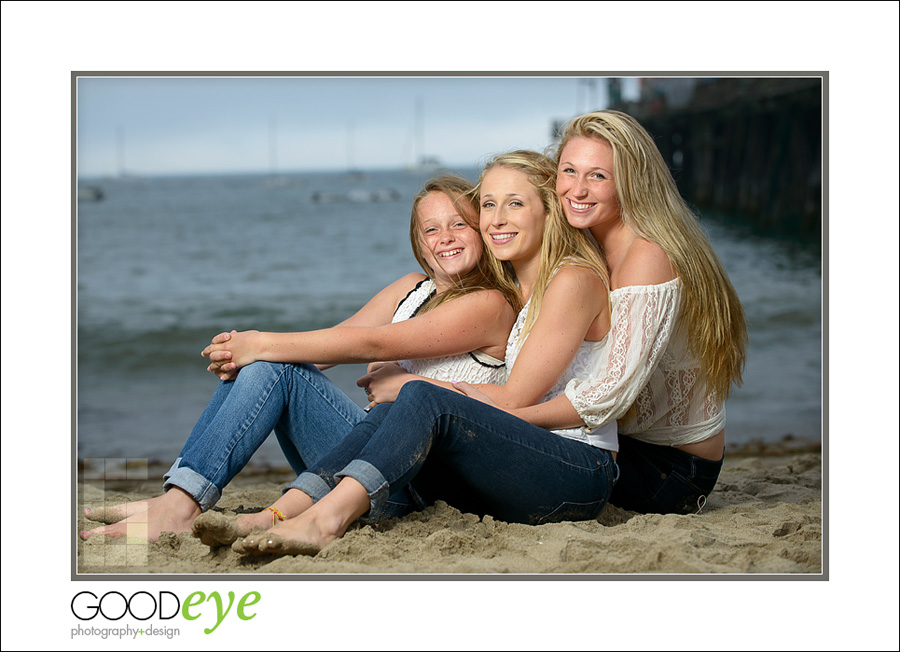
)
(258, 372)
(418, 390)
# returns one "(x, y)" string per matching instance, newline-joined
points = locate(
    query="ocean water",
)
(163, 264)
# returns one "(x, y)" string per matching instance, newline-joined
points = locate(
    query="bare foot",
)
(114, 513)
(268, 543)
(220, 530)
(215, 529)
(174, 511)
(315, 528)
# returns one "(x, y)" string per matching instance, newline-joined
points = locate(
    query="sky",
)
(186, 125)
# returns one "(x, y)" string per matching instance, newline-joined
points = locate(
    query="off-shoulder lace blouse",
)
(474, 367)
(645, 376)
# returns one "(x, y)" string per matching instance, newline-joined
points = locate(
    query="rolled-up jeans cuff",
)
(202, 490)
(370, 478)
(310, 484)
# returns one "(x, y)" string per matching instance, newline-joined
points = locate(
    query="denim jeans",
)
(662, 479)
(474, 456)
(307, 411)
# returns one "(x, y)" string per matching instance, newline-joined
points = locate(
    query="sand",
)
(765, 517)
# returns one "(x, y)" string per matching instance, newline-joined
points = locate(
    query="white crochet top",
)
(474, 367)
(603, 436)
(645, 376)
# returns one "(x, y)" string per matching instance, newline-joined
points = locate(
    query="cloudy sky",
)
(178, 125)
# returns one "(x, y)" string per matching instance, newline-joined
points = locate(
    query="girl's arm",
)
(467, 323)
(554, 414)
(575, 299)
(379, 310)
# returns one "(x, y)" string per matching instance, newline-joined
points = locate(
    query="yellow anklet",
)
(275, 514)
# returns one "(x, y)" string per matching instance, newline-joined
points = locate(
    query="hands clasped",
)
(230, 351)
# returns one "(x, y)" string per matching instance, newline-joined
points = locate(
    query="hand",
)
(228, 352)
(377, 365)
(384, 381)
(472, 392)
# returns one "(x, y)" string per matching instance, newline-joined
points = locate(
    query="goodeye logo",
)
(143, 606)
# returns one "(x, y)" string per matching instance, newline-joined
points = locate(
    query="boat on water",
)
(90, 193)
(357, 196)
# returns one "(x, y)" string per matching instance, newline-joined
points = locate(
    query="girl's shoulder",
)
(485, 298)
(644, 263)
(407, 284)
(574, 272)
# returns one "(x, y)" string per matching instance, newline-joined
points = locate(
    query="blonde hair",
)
(484, 275)
(561, 243)
(651, 205)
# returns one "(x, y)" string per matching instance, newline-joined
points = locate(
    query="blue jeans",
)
(476, 457)
(307, 411)
(662, 479)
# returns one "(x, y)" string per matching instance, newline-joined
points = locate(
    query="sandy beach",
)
(765, 517)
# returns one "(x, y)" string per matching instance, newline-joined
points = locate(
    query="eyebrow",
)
(509, 194)
(596, 167)
(433, 220)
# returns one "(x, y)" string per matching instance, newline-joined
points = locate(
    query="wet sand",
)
(765, 517)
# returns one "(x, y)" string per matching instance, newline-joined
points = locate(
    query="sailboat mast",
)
(120, 151)
(420, 133)
(273, 144)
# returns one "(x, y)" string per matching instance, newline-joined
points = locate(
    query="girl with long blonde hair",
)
(678, 334)
(445, 445)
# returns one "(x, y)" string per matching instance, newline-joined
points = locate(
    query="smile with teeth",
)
(501, 238)
(579, 207)
(450, 253)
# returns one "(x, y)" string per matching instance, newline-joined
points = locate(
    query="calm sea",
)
(166, 263)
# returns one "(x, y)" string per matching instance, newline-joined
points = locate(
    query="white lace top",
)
(604, 435)
(474, 367)
(645, 376)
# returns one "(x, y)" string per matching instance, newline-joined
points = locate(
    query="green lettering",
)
(219, 615)
(190, 602)
(245, 603)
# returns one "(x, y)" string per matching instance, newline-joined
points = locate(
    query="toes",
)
(244, 546)
(106, 515)
(261, 544)
(271, 544)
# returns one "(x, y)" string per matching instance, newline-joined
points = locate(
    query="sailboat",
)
(423, 164)
(276, 180)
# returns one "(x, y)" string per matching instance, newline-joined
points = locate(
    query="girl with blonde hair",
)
(678, 335)
(270, 381)
(445, 445)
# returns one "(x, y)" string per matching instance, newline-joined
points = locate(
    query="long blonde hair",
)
(561, 243)
(484, 276)
(651, 205)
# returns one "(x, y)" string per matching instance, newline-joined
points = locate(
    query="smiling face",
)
(585, 183)
(512, 215)
(450, 246)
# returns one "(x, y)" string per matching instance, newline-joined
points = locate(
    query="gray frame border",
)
(75, 576)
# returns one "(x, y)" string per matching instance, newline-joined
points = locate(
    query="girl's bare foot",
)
(269, 543)
(215, 529)
(315, 528)
(174, 511)
(114, 513)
